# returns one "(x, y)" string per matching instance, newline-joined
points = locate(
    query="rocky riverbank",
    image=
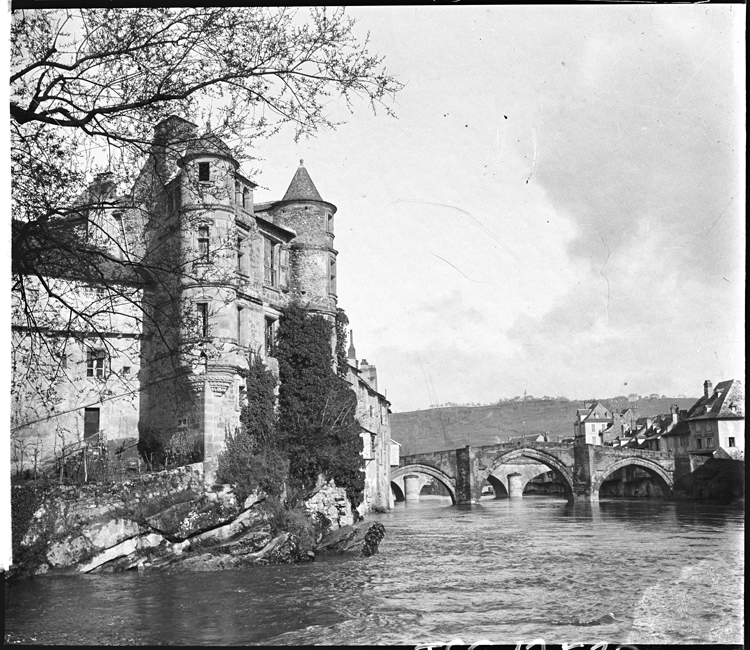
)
(168, 521)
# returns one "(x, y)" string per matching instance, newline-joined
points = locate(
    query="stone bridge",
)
(580, 468)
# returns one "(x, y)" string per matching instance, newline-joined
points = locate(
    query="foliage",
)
(342, 359)
(182, 449)
(25, 501)
(252, 460)
(258, 415)
(151, 447)
(248, 469)
(317, 427)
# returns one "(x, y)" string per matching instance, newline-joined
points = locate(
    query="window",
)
(202, 318)
(709, 442)
(332, 277)
(269, 262)
(240, 255)
(730, 442)
(203, 247)
(245, 198)
(270, 326)
(329, 222)
(699, 443)
(204, 171)
(126, 370)
(91, 424)
(239, 325)
(95, 363)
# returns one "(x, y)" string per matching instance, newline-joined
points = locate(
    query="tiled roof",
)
(726, 402)
(302, 188)
(680, 429)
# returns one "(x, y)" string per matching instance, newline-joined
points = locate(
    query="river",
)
(506, 571)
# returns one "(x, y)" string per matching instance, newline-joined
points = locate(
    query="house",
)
(717, 420)
(529, 437)
(373, 415)
(171, 287)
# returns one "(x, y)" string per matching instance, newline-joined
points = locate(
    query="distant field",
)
(457, 426)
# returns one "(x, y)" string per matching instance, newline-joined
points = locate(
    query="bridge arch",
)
(417, 468)
(543, 457)
(656, 471)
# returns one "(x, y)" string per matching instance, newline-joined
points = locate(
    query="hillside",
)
(457, 426)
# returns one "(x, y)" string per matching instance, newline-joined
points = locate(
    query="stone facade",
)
(213, 270)
(373, 415)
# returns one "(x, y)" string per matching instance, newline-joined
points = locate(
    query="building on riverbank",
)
(169, 289)
(373, 415)
(717, 421)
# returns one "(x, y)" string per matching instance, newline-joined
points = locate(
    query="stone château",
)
(180, 282)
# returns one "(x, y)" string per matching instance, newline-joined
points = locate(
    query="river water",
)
(506, 571)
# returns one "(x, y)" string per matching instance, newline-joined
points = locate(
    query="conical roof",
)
(302, 188)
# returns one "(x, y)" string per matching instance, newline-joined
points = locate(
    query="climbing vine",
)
(342, 360)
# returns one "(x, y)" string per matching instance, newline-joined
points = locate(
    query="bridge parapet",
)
(515, 444)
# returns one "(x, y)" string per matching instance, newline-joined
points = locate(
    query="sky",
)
(557, 209)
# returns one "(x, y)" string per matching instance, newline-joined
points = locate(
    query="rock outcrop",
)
(171, 523)
(361, 539)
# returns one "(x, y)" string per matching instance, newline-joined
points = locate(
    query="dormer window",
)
(204, 171)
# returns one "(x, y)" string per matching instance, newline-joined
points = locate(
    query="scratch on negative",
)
(459, 270)
(720, 216)
(468, 214)
(533, 164)
(601, 272)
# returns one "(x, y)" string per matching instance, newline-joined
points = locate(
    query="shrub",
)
(249, 470)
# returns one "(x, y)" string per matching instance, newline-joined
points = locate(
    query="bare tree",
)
(87, 88)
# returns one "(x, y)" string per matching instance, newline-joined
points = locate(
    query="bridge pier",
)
(412, 487)
(468, 485)
(585, 493)
(515, 485)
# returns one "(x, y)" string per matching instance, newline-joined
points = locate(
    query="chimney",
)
(369, 374)
(707, 385)
(675, 410)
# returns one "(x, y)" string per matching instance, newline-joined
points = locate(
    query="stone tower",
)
(312, 257)
(201, 227)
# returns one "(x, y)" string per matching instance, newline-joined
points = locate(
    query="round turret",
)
(312, 258)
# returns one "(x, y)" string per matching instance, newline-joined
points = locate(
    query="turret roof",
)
(209, 143)
(302, 188)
